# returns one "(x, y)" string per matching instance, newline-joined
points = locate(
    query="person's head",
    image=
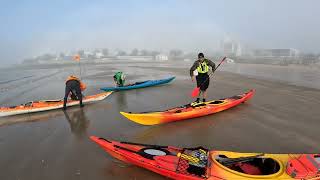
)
(201, 56)
(72, 77)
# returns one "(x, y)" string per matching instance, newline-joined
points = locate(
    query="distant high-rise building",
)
(239, 50)
(231, 47)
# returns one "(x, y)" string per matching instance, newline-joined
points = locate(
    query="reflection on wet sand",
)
(78, 121)
(121, 99)
(120, 170)
(152, 132)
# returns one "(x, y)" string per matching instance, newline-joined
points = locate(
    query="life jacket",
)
(83, 86)
(203, 67)
(306, 166)
(119, 76)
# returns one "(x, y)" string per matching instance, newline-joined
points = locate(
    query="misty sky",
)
(30, 27)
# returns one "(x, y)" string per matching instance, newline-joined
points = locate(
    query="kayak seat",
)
(260, 166)
(256, 166)
(251, 169)
(269, 166)
(236, 168)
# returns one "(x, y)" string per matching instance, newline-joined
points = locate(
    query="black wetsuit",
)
(203, 81)
(72, 86)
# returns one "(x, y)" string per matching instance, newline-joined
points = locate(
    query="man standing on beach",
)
(201, 66)
(74, 86)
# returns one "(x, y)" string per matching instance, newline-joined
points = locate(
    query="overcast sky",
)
(30, 27)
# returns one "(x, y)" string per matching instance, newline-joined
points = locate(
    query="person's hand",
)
(192, 78)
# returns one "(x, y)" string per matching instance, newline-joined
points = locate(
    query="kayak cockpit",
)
(216, 102)
(251, 165)
(134, 84)
(29, 104)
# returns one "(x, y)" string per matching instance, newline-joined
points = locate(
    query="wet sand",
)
(280, 118)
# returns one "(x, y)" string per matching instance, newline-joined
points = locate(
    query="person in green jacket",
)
(119, 79)
(202, 67)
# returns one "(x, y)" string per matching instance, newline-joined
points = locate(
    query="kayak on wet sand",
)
(188, 111)
(46, 105)
(137, 85)
(201, 163)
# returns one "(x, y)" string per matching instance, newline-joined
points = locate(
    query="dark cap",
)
(200, 55)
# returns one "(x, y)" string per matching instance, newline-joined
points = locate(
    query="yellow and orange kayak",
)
(200, 163)
(46, 105)
(188, 111)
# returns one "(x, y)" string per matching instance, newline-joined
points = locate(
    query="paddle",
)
(241, 159)
(77, 58)
(196, 90)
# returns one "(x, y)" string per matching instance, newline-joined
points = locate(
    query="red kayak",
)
(200, 163)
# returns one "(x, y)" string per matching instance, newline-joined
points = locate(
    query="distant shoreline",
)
(114, 61)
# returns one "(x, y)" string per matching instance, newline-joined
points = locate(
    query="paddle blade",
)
(195, 92)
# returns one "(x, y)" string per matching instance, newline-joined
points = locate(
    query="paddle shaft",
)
(80, 69)
(241, 159)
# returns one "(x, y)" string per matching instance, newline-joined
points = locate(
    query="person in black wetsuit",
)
(74, 86)
(202, 66)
